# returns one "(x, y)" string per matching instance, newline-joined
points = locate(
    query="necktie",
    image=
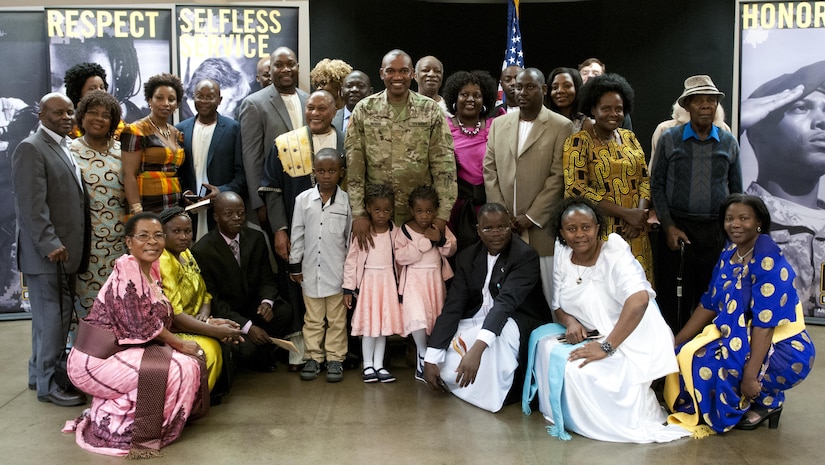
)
(64, 144)
(236, 250)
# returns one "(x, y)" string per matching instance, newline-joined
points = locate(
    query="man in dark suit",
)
(265, 115)
(51, 230)
(355, 87)
(212, 144)
(493, 305)
(235, 265)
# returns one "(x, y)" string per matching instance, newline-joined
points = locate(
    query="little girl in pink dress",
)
(372, 277)
(422, 249)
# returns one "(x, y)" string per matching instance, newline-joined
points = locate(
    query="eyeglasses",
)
(495, 229)
(144, 237)
(106, 116)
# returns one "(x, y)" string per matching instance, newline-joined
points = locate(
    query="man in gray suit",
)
(51, 218)
(265, 115)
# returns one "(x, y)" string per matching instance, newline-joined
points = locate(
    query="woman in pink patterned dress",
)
(146, 382)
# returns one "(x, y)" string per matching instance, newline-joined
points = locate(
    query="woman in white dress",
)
(604, 392)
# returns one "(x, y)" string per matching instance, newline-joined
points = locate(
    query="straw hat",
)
(699, 85)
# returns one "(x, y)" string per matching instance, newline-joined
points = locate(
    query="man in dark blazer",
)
(223, 159)
(354, 88)
(51, 210)
(493, 305)
(243, 289)
(265, 115)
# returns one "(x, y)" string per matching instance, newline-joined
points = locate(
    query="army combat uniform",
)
(404, 148)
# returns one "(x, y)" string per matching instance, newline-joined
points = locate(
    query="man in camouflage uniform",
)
(398, 137)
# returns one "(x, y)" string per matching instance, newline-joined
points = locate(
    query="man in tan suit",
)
(523, 167)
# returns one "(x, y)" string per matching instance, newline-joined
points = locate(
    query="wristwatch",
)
(608, 348)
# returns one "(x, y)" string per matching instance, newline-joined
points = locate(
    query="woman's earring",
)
(454, 109)
(759, 229)
(484, 109)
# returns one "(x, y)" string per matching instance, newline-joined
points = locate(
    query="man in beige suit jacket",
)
(523, 167)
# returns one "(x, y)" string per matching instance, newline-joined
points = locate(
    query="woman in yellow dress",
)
(186, 291)
(606, 164)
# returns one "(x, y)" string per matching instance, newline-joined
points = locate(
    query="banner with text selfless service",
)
(226, 44)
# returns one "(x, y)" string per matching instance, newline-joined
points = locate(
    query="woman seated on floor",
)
(746, 342)
(183, 285)
(599, 388)
(125, 356)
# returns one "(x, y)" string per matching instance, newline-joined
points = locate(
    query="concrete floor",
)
(277, 418)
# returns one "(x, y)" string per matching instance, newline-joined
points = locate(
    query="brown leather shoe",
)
(63, 398)
(295, 368)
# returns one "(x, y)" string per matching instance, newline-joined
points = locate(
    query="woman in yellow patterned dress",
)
(186, 291)
(606, 164)
(152, 151)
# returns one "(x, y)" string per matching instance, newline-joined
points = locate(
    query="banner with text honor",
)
(782, 132)
(225, 44)
(132, 45)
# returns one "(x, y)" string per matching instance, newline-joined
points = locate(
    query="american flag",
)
(513, 55)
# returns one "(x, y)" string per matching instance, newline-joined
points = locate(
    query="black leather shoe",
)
(32, 387)
(295, 368)
(63, 398)
(265, 367)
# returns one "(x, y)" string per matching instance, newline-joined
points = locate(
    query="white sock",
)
(420, 338)
(378, 356)
(368, 349)
(297, 358)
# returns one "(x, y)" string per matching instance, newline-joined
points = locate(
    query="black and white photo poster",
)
(782, 131)
(132, 45)
(225, 44)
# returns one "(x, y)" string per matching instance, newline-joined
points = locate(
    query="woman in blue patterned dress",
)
(751, 344)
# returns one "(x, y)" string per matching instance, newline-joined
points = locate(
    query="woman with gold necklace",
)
(606, 164)
(97, 154)
(152, 151)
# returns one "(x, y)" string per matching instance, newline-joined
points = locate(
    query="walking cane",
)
(679, 283)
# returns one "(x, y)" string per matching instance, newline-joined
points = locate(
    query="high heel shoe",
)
(764, 414)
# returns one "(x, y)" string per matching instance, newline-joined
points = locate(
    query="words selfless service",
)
(227, 32)
(783, 15)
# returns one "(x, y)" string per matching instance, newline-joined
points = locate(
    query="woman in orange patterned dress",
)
(606, 164)
(151, 149)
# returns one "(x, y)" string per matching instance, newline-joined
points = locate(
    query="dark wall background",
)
(654, 44)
